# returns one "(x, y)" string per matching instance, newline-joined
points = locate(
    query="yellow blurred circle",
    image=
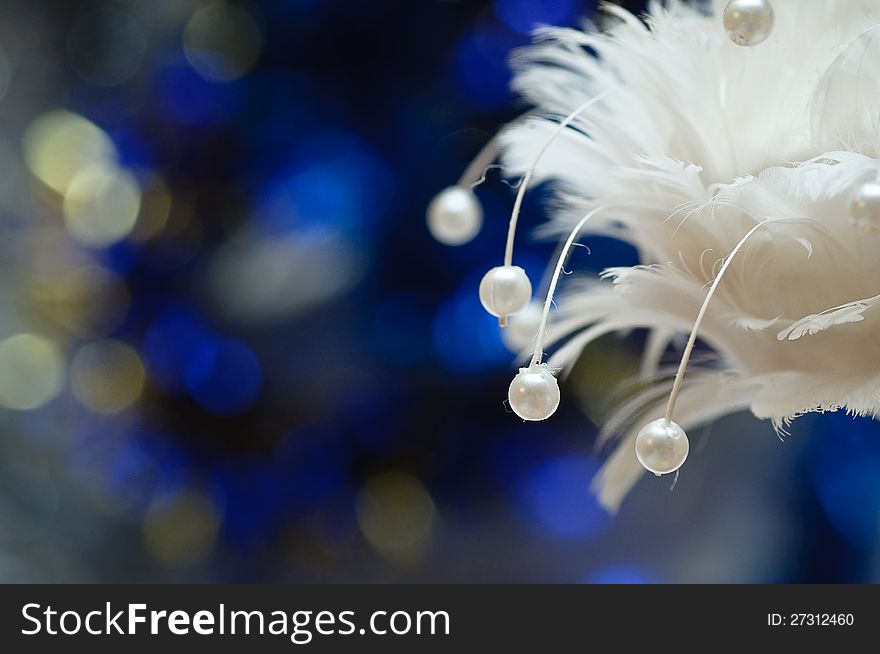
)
(101, 205)
(107, 376)
(181, 529)
(31, 371)
(396, 514)
(60, 144)
(89, 301)
(222, 42)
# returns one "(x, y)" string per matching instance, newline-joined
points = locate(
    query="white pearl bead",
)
(662, 447)
(523, 328)
(505, 291)
(455, 216)
(865, 207)
(749, 22)
(534, 393)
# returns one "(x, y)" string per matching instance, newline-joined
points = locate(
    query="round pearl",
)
(865, 207)
(534, 393)
(662, 447)
(455, 216)
(523, 328)
(505, 291)
(749, 22)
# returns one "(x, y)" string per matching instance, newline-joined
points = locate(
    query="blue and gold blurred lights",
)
(397, 515)
(229, 351)
(555, 493)
(32, 371)
(107, 376)
(222, 41)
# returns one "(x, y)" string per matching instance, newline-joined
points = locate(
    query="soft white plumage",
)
(696, 142)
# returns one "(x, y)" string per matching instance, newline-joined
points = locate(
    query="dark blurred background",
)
(230, 351)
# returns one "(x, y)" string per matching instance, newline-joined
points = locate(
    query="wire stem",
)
(686, 355)
(554, 281)
(520, 194)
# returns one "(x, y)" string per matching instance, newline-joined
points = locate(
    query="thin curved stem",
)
(517, 204)
(689, 348)
(475, 173)
(554, 281)
(476, 168)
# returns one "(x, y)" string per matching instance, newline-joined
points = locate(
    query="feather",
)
(695, 142)
(708, 396)
(819, 322)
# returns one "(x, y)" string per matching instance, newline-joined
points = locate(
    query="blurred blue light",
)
(314, 462)
(845, 467)
(125, 462)
(556, 495)
(133, 471)
(308, 468)
(186, 97)
(136, 150)
(524, 15)
(466, 338)
(402, 328)
(337, 182)
(224, 376)
(120, 257)
(368, 411)
(510, 456)
(249, 493)
(481, 65)
(617, 574)
(170, 342)
(284, 107)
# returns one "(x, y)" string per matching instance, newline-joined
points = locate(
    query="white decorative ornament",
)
(505, 291)
(534, 393)
(662, 447)
(748, 22)
(455, 216)
(865, 206)
(489, 279)
(739, 177)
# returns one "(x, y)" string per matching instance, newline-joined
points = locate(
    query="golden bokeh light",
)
(603, 377)
(101, 205)
(222, 42)
(31, 371)
(396, 514)
(156, 203)
(181, 529)
(60, 144)
(89, 301)
(107, 376)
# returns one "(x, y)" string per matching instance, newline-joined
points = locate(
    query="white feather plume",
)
(697, 141)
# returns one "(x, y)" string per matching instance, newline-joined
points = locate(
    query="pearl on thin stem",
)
(505, 291)
(865, 206)
(654, 434)
(692, 340)
(749, 22)
(662, 447)
(534, 393)
(490, 305)
(455, 216)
